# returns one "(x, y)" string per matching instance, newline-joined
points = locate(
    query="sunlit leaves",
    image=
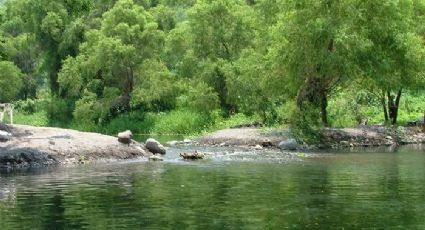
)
(10, 81)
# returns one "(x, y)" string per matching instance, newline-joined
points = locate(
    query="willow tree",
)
(312, 51)
(110, 58)
(393, 55)
(20, 46)
(218, 32)
(59, 26)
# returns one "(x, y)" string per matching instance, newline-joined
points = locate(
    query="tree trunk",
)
(397, 105)
(393, 105)
(423, 124)
(128, 89)
(384, 106)
(323, 109)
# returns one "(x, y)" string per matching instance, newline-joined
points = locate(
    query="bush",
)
(182, 122)
(199, 97)
(137, 122)
(28, 106)
(59, 111)
(88, 110)
(305, 125)
(38, 119)
(235, 120)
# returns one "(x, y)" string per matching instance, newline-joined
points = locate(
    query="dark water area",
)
(231, 190)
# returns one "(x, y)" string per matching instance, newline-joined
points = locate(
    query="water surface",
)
(233, 189)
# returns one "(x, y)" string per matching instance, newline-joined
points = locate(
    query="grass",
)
(38, 119)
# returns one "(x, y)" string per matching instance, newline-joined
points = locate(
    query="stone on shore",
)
(125, 137)
(155, 147)
(290, 144)
(5, 136)
(4, 127)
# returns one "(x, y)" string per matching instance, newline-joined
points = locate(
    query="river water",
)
(233, 189)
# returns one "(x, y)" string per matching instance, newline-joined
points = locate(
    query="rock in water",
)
(192, 156)
(5, 136)
(156, 158)
(155, 147)
(125, 137)
(290, 144)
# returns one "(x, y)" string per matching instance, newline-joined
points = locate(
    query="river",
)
(233, 189)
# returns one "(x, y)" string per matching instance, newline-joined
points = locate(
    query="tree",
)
(393, 59)
(59, 27)
(219, 31)
(10, 81)
(311, 51)
(110, 57)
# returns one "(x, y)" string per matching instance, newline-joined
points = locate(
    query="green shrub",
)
(59, 111)
(38, 119)
(200, 98)
(181, 122)
(88, 110)
(305, 125)
(28, 106)
(235, 120)
(136, 121)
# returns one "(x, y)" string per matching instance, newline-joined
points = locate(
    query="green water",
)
(231, 190)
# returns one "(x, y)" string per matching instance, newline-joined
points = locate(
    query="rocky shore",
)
(31, 146)
(26, 146)
(366, 136)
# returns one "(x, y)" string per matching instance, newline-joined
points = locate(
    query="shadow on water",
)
(354, 190)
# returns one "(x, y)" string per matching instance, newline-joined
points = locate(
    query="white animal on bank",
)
(6, 108)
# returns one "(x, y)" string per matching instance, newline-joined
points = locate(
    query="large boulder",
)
(155, 147)
(5, 136)
(125, 137)
(290, 144)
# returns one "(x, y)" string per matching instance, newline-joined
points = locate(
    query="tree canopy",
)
(273, 59)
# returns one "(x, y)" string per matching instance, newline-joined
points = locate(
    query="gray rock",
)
(156, 158)
(155, 147)
(344, 143)
(125, 137)
(258, 147)
(290, 144)
(5, 136)
(4, 127)
(192, 156)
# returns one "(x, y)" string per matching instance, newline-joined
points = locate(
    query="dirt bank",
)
(333, 138)
(33, 146)
(245, 137)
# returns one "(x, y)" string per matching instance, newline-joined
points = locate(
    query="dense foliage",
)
(193, 63)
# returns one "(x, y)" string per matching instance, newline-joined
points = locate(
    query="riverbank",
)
(33, 146)
(366, 136)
